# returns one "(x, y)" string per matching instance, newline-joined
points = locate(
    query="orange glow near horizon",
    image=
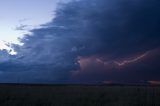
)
(154, 82)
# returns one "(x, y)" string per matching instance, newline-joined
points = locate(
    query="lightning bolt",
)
(125, 62)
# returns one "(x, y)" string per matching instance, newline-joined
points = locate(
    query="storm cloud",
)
(104, 30)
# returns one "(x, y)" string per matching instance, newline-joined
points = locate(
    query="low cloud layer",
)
(110, 31)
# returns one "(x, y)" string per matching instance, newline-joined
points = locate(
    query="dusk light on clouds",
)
(79, 41)
(23, 12)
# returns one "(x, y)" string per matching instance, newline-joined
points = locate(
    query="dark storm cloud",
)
(116, 29)
(4, 56)
(93, 69)
(112, 27)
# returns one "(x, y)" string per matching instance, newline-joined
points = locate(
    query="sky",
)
(23, 13)
(80, 41)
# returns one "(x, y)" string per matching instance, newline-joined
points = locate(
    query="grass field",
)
(78, 95)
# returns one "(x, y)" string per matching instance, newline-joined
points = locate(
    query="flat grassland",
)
(78, 95)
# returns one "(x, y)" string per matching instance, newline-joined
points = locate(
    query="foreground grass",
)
(27, 95)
